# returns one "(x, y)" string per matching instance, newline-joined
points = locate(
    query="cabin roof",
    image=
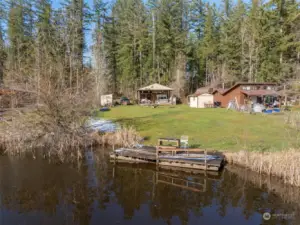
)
(225, 91)
(155, 87)
(261, 93)
(8, 91)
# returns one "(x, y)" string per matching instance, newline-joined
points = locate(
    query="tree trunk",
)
(153, 41)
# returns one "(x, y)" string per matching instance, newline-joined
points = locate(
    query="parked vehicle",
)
(161, 99)
(124, 101)
(217, 104)
(145, 101)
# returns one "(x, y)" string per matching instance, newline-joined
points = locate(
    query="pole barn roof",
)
(155, 87)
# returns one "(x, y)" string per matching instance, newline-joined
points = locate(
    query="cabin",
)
(155, 93)
(243, 92)
(16, 98)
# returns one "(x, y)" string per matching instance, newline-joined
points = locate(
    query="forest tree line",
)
(185, 44)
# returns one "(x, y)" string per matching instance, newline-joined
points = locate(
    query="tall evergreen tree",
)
(128, 28)
(232, 42)
(98, 51)
(195, 66)
(165, 41)
(3, 53)
(16, 35)
(75, 38)
(209, 44)
(110, 45)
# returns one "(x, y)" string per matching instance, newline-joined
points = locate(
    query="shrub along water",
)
(56, 128)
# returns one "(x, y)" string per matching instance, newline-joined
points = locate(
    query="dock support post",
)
(115, 156)
(153, 185)
(157, 161)
(205, 155)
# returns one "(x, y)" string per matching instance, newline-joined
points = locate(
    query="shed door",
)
(193, 102)
(205, 99)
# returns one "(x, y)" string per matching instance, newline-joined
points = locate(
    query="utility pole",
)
(285, 95)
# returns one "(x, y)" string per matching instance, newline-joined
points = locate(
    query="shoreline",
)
(282, 164)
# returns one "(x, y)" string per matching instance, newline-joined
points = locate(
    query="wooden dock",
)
(195, 159)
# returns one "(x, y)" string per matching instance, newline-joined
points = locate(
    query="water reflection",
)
(98, 192)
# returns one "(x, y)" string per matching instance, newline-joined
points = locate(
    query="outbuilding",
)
(155, 93)
(243, 92)
(201, 101)
(106, 100)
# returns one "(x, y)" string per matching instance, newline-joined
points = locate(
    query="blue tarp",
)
(270, 111)
(186, 157)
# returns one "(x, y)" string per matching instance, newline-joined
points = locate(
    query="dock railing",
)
(181, 183)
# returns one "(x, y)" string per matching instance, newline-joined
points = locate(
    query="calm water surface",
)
(35, 192)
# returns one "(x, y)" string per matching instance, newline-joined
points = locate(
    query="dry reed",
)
(292, 119)
(283, 164)
(124, 137)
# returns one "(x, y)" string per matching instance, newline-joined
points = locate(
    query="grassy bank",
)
(217, 129)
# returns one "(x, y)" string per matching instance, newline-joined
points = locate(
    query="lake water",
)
(35, 192)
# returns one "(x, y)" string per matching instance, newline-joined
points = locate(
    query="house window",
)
(248, 88)
(269, 88)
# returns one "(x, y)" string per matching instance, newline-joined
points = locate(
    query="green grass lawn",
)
(217, 129)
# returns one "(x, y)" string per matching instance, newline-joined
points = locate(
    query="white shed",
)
(200, 100)
(106, 99)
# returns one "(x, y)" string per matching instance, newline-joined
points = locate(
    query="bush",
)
(55, 129)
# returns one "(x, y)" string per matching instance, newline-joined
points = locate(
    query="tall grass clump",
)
(292, 119)
(124, 137)
(283, 164)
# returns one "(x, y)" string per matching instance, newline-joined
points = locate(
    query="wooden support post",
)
(115, 156)
(157, 160)
(153, 185)
(205, 155)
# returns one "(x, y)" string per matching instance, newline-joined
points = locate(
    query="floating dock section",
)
(196, 159)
